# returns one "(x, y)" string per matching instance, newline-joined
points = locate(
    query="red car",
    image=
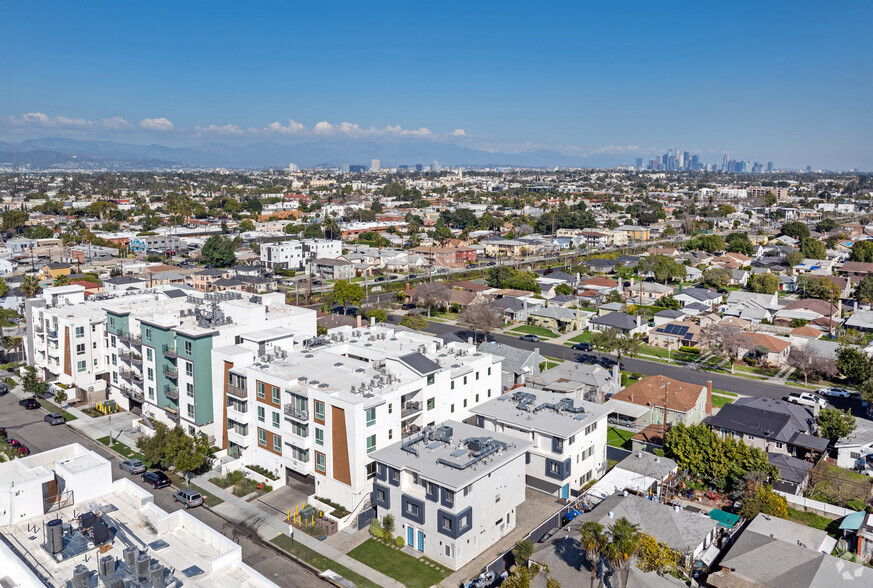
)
(22, 451)
(13, 442)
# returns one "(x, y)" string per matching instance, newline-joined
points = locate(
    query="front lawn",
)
(720, 401)
(761, 371)
(120, 448)
(392, 562)
(532, 330)
(619, 437)
(583, 338)
(319, 561)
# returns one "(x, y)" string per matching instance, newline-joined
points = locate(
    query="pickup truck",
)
(807, 398)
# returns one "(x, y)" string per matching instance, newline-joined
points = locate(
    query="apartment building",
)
(567, 436)
(160, 347)
(320, 409)
(294, 254)
(65, 341)
(453, 490)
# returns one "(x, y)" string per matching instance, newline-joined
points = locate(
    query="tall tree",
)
(623, 541)
(834, 423)
(219, 250)
(30, 286)
(481, 317)
(797, 230)
(431, 295)
(593, 540)
(345, 292)
(862, 251)
(813, 248)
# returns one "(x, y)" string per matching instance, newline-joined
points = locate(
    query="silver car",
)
(189, 498)
(134, 466)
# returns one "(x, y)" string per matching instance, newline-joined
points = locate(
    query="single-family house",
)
(581, 380)
(774, 350)
(685, 403)
(519, 365)
(558, 318)
(620, 321)
(675, 334)
(648, 293)
(710, 298)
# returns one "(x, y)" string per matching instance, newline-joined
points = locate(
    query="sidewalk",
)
(268, 526)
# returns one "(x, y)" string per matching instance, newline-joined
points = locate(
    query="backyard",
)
(391, 561)
(839, 486)
(619, 437)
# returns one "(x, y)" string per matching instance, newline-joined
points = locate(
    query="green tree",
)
(246, 225)
(61, 280)
(313, 232)
(413, 321)
(523, 551)
(854, 364)
(818, 287)
(717, 277)
(624, 537)
(560, 290)
(4, 288)
(593, 540)
(708, 243)
(388, 527)
(864, 291)
(653, 556)
(345, 293)
(219, 250)
(331, 229)
(826, 225)
(796, 229)
(834, 423)
(30, 286)
(614, 296)
(662, 267)
(813, 248)
(32, 384)
(764, 283)
(14, 220)
(739, 243)
(862, 251)
(60, 396)
(760, 498)
(152, 448)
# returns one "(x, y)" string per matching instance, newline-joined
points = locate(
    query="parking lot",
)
(28, 427)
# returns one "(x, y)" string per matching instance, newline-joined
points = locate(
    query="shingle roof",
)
(419, 363)
(681, 396)
(617, 320)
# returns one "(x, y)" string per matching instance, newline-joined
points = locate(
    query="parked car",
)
(836, 392)
(189, 498)
(13, 442)
(54, 418)
(569, 516)
(380, 279)
(806, 398)
(407, 306)
(29, 403)
(531, 338)
(583, 347)
(4, 389)
(134, 466)
(156, 479)
(21, 450)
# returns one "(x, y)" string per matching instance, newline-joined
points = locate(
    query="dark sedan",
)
(582, 347)
(29, 403)
(156, 479)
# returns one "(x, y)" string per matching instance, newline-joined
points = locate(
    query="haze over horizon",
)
(788, 82)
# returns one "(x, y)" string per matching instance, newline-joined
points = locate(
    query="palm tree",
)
(593, 541)
(62, 280)
(30, 286)
(523, 551)
(624, 537)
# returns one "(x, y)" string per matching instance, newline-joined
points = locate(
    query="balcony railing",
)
(130, 357)
(171, 372)
(410, 430)
(410, 408)
(237, 391)
(300, 415)
(170, 351)
(131, 375)
(52, 334)
(172, 414)
(130, 337)
(133, 393)
(171, 392)
(38, 328)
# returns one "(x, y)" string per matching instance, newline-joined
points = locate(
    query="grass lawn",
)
(583, 338)
(761, 371)
(392, 562)
(810, 519)
(724, 393)
(450, 316)
(319, 561)
(120, 448)
(841, 484)
(619, 437)
(720, 401)
(211, 500)
(532, 330)
(52, 407)
(656, 351)
(610, 463)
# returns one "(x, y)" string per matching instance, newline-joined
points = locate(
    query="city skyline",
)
(628, 80)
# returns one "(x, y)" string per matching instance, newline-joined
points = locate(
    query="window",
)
(554, 467)
(590, 428)
(447, 526)
(465, 380)
(371, 443)
(465, 403)
(489, 371)
(148, 333)
(277, 443)
(189, 368)
(151, 393)
(80, 332)
(261, 414)
(371, 417)
(389, 408)
(320, 462)
(431, 403)
(262, 437)
(855, 455)
(189, 389)
(468, 489)
(319, 436)
(390, 433)
(431, 379)
(191, 411)
(261, 390)
(489, 392)
(149, 353)
(319, 410)
(477, 375)
(115, 377)
(80, 349)
(778, 445)
(276, 420)
(112, 340)
(412, 509)
(477, 398)
(449, 497)
(371, 473)
(452, 408)
(187, 347)
(453, 384)
(82, 366)
(276, 394)
(114, 359)
(151, 374)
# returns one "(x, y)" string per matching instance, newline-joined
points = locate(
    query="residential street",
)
(28, 427)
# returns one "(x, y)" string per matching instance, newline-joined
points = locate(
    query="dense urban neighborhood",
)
(414, 375)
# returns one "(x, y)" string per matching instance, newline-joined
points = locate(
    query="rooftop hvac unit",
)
(129, 555)
(81, 577)
(143, 561)
(54, 531)
(106, 566)
(156, 575)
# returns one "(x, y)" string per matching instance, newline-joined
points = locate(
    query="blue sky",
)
(785, 81)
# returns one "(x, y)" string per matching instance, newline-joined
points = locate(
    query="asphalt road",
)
(720, 381)
(28, 427)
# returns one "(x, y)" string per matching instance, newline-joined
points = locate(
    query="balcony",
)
(52, 334)
(171, 372)
(130, 337)
(131, 375)
(172, 414)
(410, 430)
(38, 328)
(300, 415)
(133, 394)
(171, 392)
(170, 351)
(130, 357)
(409, 409)
(236, 391)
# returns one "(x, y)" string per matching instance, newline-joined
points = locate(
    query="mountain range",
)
(63, 153)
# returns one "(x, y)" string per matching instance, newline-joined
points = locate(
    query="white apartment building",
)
(65, 341)
(453, 490)
(294, 253)
(568, 436)
(320, 409)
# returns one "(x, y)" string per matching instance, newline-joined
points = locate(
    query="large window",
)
(262, 414)
(371, 443)
(262, 438)
(276, 419)
(277, 443)
(371, 417)
(187, 347)
(80, 332)
(319, 410)
(191, 411)
(261, 390)
(189, 389)
(82, 366)
(320, 462)
(189, 368)
(319, 436)
(276, 395)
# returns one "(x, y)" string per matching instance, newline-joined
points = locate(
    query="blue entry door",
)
(565, 491)
(410, 536)
(420, 541)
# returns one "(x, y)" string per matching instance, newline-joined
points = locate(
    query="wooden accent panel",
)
(68, 359)
(269, 435)
(340, 446)
(268, 394)
(228, 365)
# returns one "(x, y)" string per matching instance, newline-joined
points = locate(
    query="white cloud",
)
(226, 130)
(156, 124)
(617, 149)
(116, 123)
(39, 120)
(458, 133)
(293, 128)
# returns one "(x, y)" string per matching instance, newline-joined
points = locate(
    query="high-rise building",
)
(639, 163)
(375, 164)
(293, 167)
(419, 167)
(769, 166)
(435, 166)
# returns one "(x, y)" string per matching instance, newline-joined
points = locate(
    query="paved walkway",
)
(269, 525)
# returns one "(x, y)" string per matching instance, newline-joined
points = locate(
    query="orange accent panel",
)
(68, 360)
(268, 394)
(340, 442)
(268, 435)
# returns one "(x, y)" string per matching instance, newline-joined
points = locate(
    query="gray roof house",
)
(519, 365)
(620, 321)
(583, 380)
